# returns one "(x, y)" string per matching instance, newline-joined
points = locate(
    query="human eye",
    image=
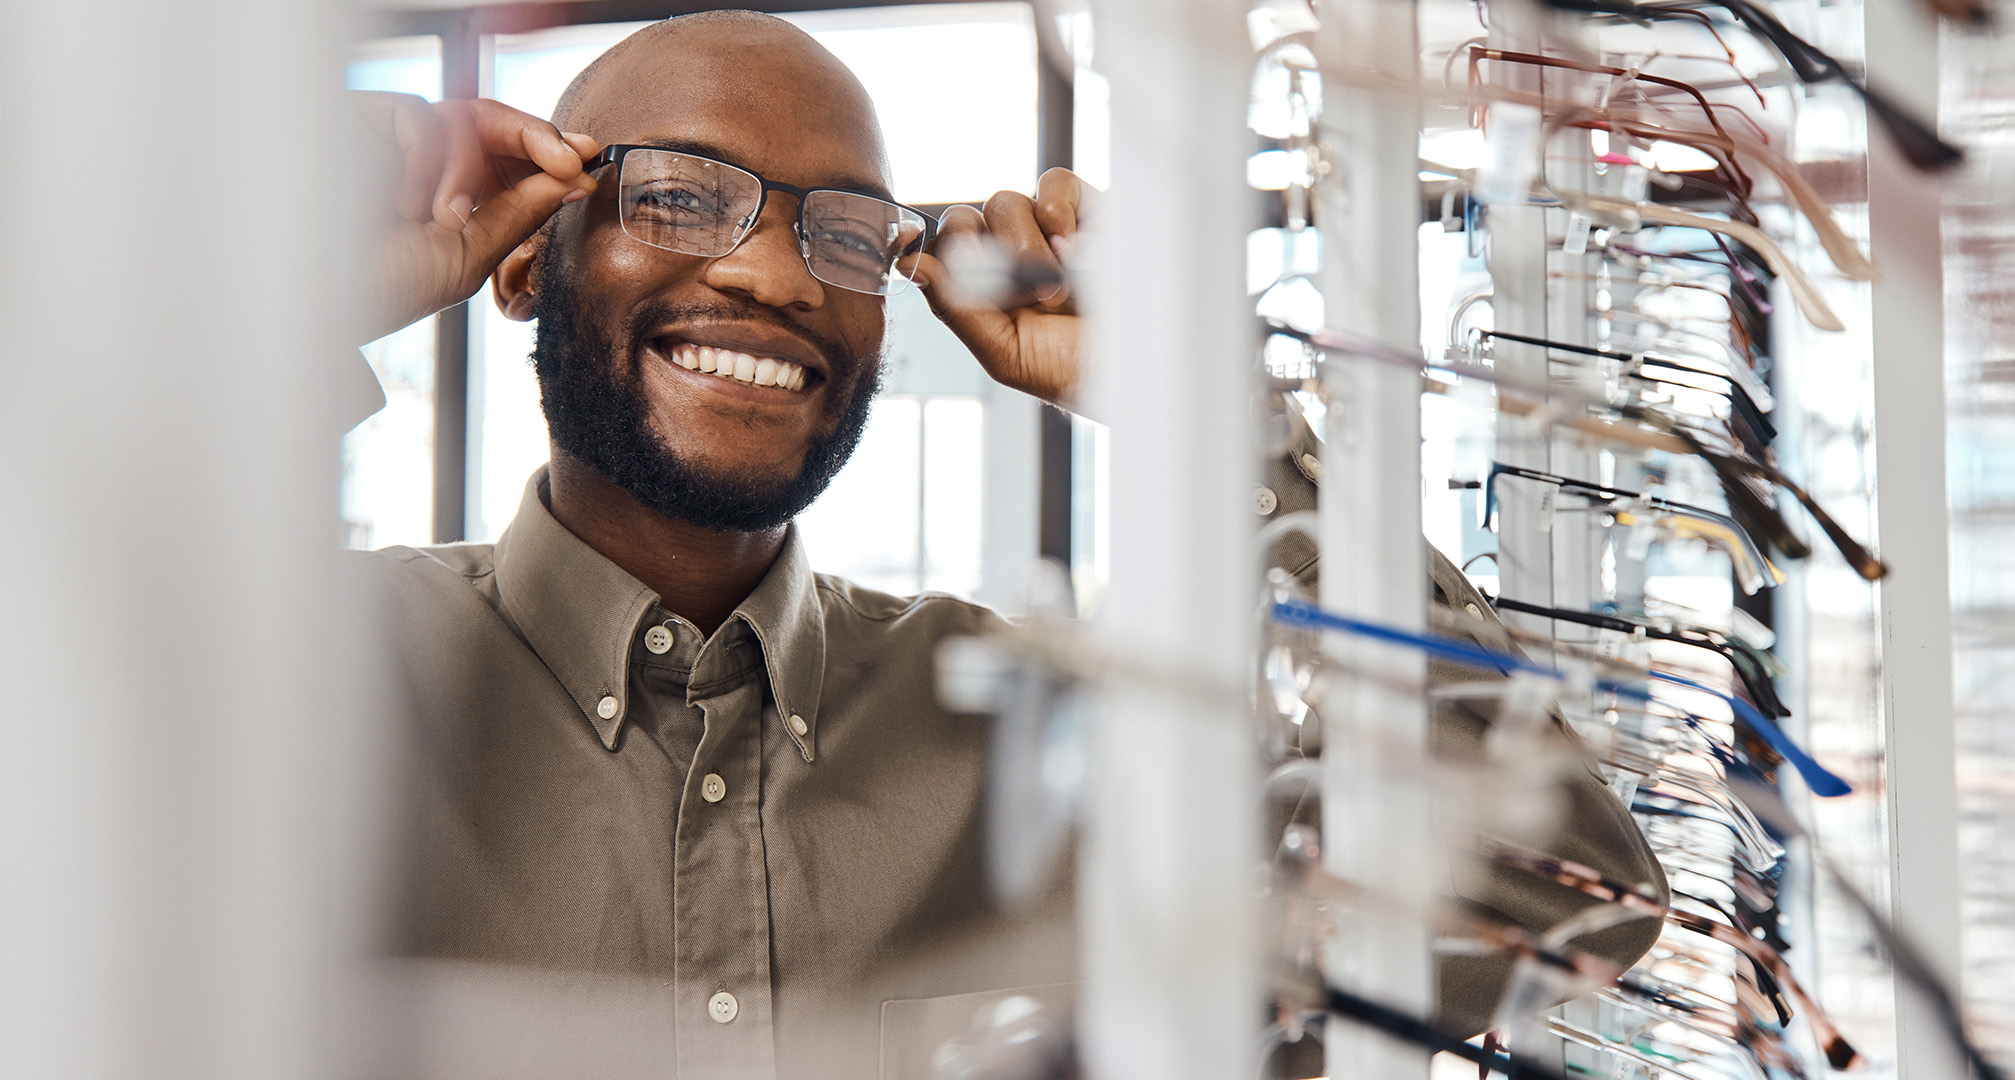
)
(853, 240)
(674, 200)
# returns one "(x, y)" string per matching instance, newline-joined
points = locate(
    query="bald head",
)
(644, 80)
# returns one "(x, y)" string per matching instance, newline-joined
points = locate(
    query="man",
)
(650, 744)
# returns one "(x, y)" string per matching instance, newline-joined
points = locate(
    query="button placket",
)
(722, 884)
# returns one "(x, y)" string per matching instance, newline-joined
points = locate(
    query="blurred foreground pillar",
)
(1167, 885)
(181, 758)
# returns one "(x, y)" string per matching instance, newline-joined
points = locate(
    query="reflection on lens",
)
(686, 204)
(853, 241)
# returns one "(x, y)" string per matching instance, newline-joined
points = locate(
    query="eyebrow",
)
(709, 150)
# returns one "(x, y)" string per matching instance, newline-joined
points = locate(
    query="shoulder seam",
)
(411, 556)
(915, 602)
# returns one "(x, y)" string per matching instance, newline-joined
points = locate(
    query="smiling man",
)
(650, 745)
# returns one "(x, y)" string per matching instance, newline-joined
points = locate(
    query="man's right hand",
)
(478, 178)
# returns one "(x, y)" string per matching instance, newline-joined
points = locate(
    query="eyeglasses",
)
(695, 205)
(1754, 677)
(1698, 519)
(1725, 164)
(1917, 140)
(1298, 613)
(1742, 401)
(1839, 1052)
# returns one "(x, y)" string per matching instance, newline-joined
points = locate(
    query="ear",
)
(513, 284)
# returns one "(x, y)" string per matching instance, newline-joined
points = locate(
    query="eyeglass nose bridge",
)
(746, 227)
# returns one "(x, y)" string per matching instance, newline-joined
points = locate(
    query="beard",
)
(597, 413)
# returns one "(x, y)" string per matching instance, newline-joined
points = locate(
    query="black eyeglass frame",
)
(614, 153)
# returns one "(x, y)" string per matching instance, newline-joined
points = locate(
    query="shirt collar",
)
(580, 613)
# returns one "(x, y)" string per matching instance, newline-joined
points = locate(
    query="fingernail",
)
(1060, 244)
(461, 206)
(575, 195)
(1050, 294)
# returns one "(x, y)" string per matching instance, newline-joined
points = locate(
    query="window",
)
(388, 461)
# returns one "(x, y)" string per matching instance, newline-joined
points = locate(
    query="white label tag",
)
(1514, 140)
(1636, 183)
(1576, 242)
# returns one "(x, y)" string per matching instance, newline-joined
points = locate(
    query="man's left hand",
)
(1027, 341)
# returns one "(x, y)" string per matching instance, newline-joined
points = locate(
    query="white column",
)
(181, 784)
(1376, 827)
(1913, 526)
(1168, 887)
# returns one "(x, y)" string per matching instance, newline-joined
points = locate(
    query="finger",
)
(584, 145)
(1011, 221)
(1059, 207)
(507, 132)
(509, 217)
(463, 169)
(417, 133)
(986, 330)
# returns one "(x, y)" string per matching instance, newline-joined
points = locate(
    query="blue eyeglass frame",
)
(614, 153)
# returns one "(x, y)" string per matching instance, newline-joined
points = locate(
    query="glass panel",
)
(867, 525)
(973, 132)
(952, 438)
(388, 460)
(504, 419)
(388, 474)
(1978, 76)
(405, 65)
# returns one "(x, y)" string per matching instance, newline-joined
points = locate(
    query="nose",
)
(768, 266)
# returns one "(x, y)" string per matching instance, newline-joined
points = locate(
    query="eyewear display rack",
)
(1665, 346)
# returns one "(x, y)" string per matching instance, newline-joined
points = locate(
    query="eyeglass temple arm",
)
(1739, 395)
(1298, 613)
(1765, 699)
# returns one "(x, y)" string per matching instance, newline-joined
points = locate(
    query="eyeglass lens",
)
(695, 206)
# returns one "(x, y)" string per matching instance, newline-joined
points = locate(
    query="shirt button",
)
(713, 788)
(606, 708)
(723, 1007)
(798, 725)
(1474, 612)
(1313, 465)
(1264, 501)
(658, 639)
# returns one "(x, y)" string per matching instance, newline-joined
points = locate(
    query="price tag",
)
(1576, 242)
(1516, 131)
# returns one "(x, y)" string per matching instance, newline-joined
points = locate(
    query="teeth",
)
(740, 366)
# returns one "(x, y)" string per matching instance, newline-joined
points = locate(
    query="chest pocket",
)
(1023, 1031)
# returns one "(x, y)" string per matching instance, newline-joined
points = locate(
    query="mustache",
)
(656, 314)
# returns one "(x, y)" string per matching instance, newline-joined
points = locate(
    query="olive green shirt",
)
(754, 853)
(769, 824)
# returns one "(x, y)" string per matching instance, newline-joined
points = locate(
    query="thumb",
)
(509, 217)
(986, 330)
